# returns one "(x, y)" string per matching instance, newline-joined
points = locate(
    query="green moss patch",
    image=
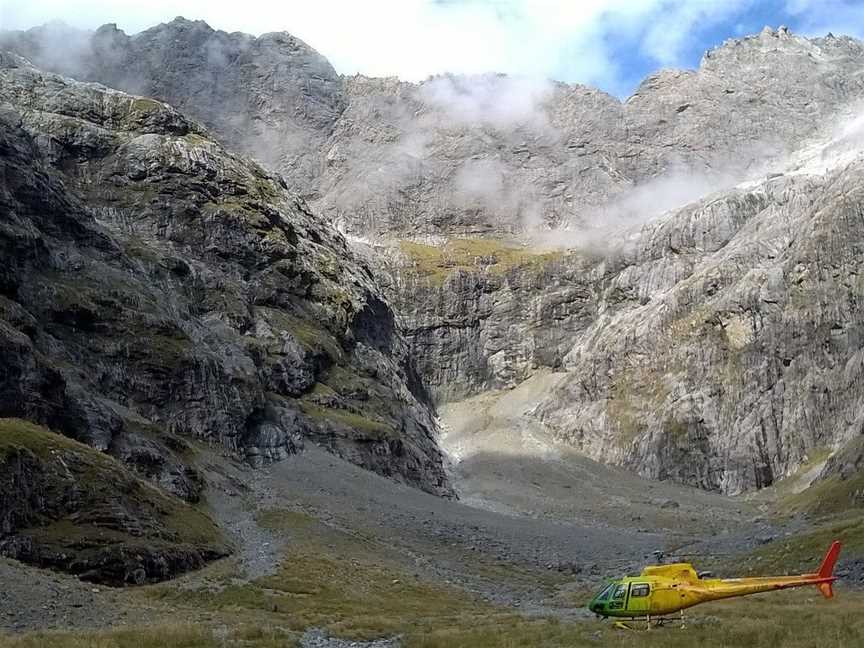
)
(497, 256)
(353, 425)
(313, 337)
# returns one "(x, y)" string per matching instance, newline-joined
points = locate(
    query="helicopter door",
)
(640, 598)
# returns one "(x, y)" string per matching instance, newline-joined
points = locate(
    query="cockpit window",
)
(620, 592)
(639, 589)
(604, 593)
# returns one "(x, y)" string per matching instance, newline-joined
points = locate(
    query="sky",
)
(610, 44)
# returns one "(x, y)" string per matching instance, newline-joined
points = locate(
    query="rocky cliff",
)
(719, 344)
(688, 256)
(157, 289)
(68, 506)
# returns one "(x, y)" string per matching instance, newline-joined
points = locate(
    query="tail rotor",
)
(825, 576)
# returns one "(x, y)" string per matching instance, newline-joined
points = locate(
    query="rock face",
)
(718, 345)
(485, 314)
(710, 329)
(56, 511)
(157, 288)
(728, 341)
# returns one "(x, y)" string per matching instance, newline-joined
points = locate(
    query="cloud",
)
(495, 100)
(818, 17)
(669, 32)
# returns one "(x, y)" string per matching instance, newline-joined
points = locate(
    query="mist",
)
(493, 100)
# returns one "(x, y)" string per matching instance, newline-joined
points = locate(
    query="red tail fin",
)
(826, 571)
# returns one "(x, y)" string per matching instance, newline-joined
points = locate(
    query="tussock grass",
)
(794, 619)
(159, 636)
(803, 552)
(828, 496)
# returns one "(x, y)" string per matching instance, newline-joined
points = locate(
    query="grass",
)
(17, 435)
(803, 552)
(828, 496)
(794, 619)
(159, 636)
(833, 494)
(351, 423)
(436, 263)
(344, 582)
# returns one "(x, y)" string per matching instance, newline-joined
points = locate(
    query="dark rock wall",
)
(156, 287)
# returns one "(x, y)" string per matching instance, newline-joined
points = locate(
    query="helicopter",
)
(662, 590)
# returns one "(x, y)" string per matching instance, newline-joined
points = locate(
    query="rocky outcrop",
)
(718, 345)
(484, 314)
(157, 288)
(55, 511)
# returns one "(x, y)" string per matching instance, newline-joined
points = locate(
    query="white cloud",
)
(818, 17)
(498, 101)
(670, 31)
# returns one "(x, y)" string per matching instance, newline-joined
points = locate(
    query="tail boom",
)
(743, 586)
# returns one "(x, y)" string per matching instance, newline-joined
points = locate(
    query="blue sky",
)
(806, 18)
(611, 44)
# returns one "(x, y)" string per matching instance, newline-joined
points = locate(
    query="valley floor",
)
(326, 551)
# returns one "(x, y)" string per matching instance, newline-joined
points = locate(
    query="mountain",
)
(686, 259)
(488, 154)
(159, 292)
(233, 83)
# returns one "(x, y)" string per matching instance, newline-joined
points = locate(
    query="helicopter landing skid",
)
(650, 622)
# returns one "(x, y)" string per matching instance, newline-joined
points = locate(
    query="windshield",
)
(604, 593)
